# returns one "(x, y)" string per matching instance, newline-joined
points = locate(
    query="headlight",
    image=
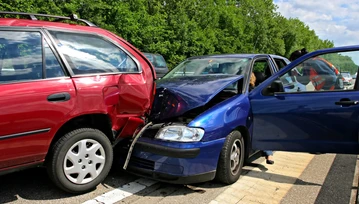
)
(180, 134)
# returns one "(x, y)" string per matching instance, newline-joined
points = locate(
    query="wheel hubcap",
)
(235, 156)
(84, 161)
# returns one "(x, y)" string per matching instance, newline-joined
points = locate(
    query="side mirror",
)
(276, 86)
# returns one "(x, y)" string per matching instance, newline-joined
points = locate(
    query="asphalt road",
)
(328, 178)
(34, 186)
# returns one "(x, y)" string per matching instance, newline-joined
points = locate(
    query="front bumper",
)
(168, 151)
(174, 179)
(347, 82)
(174, 162)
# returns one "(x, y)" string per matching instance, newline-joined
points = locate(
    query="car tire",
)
(80, 160)
(231, 159)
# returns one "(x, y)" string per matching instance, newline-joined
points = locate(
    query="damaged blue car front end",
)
(191, 116)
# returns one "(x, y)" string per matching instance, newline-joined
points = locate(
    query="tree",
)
(178, 29)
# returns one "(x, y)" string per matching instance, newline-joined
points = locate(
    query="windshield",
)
(210, 65)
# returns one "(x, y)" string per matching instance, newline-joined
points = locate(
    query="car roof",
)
(44, 24)
(242, 55)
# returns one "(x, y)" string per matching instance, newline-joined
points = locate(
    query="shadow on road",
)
(29, 184)
(35, 185)
(259, 166)
(279, 178)
(338, 184)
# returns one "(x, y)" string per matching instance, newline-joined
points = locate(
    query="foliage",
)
(178, 29)
(342, 62)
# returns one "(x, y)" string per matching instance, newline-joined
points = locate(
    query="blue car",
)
(205, 123)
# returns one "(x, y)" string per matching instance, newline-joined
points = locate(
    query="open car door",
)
(319, 114)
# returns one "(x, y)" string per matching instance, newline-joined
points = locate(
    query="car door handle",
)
(59, 97)
(347, 103)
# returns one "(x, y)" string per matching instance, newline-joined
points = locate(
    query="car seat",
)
(260, 77)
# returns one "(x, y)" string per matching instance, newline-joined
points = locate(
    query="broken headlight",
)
(180, 134)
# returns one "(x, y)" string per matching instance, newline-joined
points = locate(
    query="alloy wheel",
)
(235, 156)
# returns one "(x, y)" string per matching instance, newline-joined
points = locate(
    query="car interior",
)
(261, 70)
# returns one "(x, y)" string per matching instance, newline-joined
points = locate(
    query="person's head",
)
(252, 80)
(298, 53)
(304, 51)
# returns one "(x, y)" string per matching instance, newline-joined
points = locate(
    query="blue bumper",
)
(174, 162)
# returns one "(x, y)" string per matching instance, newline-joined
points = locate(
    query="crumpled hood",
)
(175, 96)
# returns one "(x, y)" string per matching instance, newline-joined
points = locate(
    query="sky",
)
(335, 20)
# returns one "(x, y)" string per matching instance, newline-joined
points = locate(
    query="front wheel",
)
(80, 160)
(231, 159)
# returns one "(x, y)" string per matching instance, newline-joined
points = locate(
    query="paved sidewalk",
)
(267, 183)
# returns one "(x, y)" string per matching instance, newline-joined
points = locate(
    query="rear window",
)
(89, 54)
(157, 60)
(149, 56)
(346, 74)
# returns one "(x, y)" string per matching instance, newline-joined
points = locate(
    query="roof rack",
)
(32, 16)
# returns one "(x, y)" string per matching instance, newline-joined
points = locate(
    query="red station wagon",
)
(68, 94)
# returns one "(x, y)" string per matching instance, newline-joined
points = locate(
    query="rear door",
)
(125, 76)
(35, 96)
(308, 120)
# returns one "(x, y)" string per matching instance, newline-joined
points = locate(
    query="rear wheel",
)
(80, 160)
(231, 159)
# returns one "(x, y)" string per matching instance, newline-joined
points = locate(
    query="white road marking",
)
(122, 192)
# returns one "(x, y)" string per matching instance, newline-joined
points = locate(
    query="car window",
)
(280, 63)
(150, 57)
(89, 54)
(322, 73)
(53, 67)
(261, 70)
(260, 65)
(159, 61)
(21, 56)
